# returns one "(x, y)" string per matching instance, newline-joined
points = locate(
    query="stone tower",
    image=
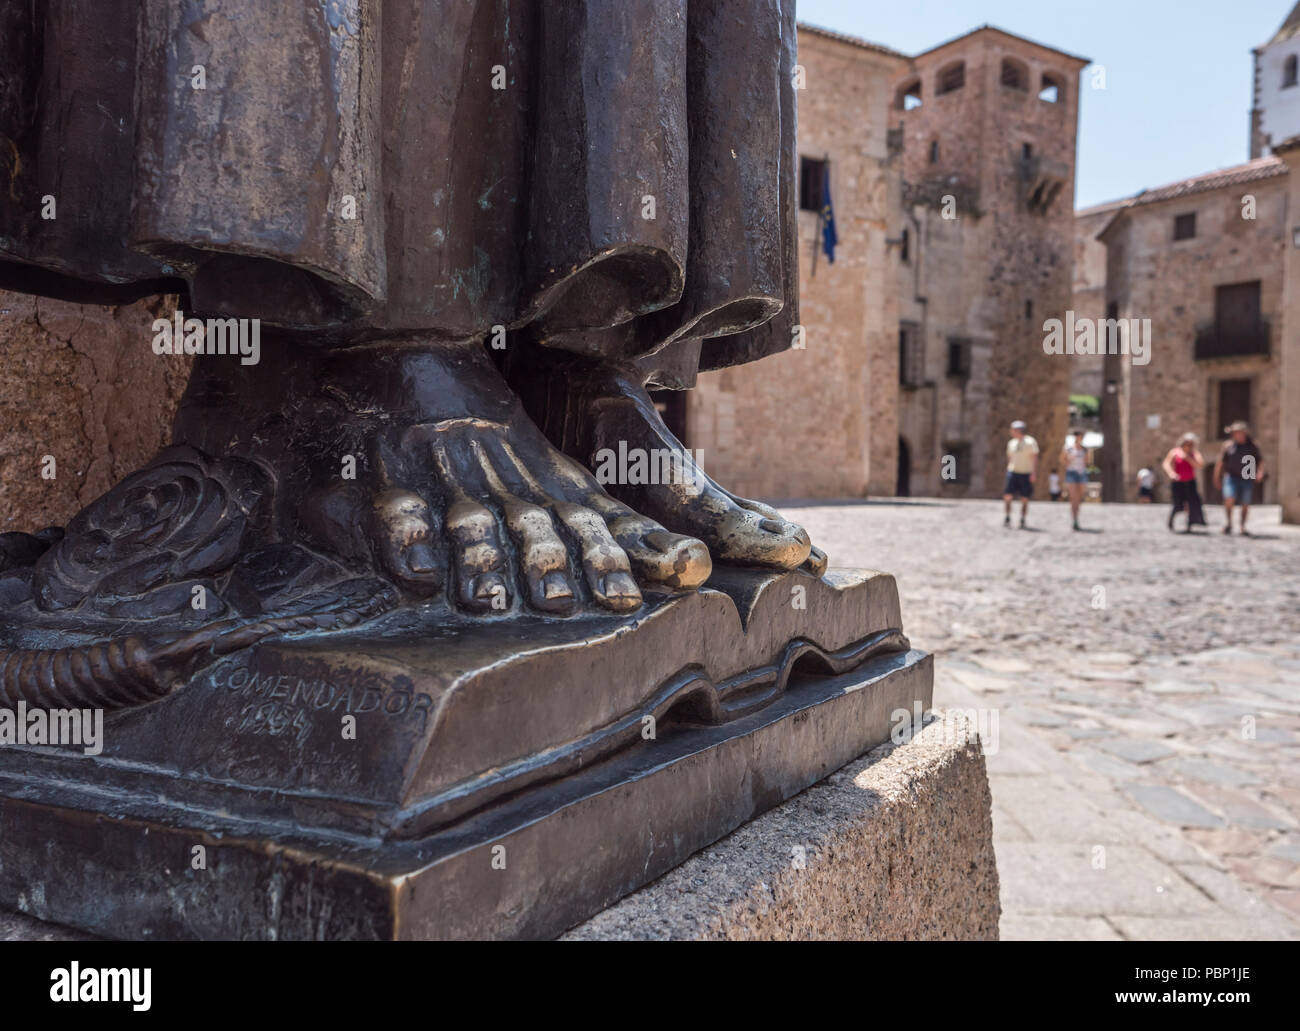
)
(987, 127)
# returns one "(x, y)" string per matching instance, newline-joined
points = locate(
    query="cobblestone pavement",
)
(1140, 692)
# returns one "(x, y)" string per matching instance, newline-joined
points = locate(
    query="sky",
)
(1177, 96)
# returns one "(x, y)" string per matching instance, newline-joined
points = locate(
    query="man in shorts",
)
(1239, 468)
(1022, 471)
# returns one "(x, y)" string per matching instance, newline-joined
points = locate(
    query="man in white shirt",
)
(1022, 471)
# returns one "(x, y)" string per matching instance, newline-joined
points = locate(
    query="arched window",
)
(934, 152)
(1289, 72)
(951, 78)
(1052, 90)
(909, 96)
(1015, 75)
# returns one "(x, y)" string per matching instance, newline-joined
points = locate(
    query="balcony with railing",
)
(1213, 341)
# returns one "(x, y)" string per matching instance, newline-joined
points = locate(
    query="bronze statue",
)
(380, 639)
(473, 234)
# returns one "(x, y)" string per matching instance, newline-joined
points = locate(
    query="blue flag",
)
(829, 236)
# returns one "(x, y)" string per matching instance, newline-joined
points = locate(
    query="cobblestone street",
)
(1141, 695)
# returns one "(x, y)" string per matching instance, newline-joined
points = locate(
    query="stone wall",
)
(942, 297)
(81, 384)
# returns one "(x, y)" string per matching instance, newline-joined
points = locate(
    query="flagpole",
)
(817, 242)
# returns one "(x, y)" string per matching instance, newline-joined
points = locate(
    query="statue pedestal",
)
(897, 845)
(505, 779)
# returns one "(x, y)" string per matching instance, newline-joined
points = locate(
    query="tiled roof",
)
(1011, 35)
(1097, 209)
(1238, 175)
(856, 41)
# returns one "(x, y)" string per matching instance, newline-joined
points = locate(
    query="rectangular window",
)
(1185, 226)
(1239, 327)
(812, 174)
(1236, 308)
(958, 357)
(911, 355)
(1234, 401)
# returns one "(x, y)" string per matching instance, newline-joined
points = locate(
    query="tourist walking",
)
(1181, 465)
(1022, 472)
(1074, 456)
(1239, 467)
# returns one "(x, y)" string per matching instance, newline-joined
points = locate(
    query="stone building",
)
(952, 180)
(988, 125)
(1275, 113)
(1202, 260)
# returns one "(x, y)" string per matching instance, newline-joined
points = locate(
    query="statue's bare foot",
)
(310, 493)
(408, 462)
(492, 512)
(419, 462)
(606, 417)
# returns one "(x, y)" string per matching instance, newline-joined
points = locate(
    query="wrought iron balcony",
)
(1213, 342)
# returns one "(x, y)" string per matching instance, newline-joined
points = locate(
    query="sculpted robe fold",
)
(609, 176)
